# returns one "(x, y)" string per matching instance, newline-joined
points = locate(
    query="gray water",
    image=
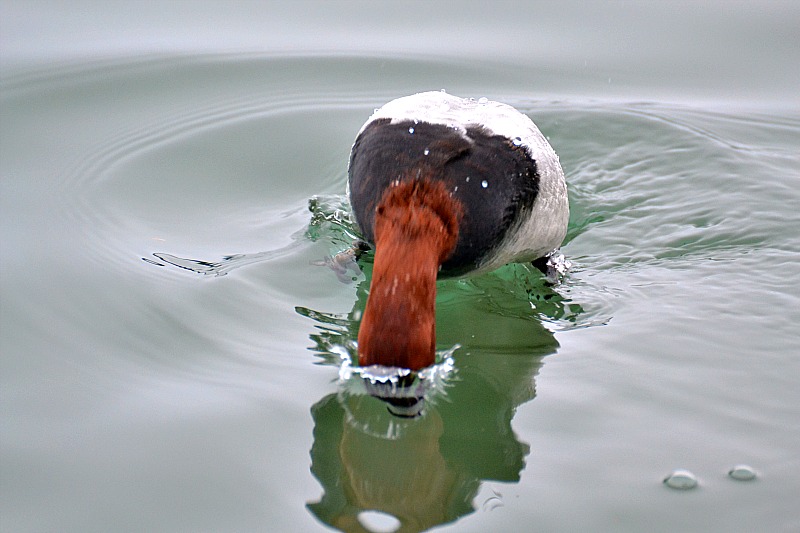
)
(173, 179)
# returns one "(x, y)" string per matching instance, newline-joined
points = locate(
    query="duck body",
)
(443, 186)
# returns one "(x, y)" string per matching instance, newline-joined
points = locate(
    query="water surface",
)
(171, 345)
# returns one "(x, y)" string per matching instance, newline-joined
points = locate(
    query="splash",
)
(557, 265)
(406, 392)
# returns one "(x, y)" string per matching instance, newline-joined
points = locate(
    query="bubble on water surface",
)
(378, 522)
(484, 184)
(426, 151)
(681, 480)
(516, 141)
(742, 473)
(411, 130)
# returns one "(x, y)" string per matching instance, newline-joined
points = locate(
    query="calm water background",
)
(196, 390)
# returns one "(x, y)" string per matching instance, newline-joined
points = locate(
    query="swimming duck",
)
(443, 186)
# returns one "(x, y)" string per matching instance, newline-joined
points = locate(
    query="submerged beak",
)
(403, 398)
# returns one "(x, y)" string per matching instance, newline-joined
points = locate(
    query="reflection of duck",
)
(429, 470)
(446, 186)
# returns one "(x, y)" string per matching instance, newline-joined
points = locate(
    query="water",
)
(173, 312)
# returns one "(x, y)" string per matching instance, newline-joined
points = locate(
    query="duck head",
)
(415, 230)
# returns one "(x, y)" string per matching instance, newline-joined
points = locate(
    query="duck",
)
(445, 187)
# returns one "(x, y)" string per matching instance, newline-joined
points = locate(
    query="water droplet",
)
(484, 184)
(483, 100)
(378, 522)
(411, 130)
(681, 480)
(426, 151)
(742, 473)
(516, 141)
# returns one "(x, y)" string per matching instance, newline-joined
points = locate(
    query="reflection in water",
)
(403, 473)
(426, 470)
(417, 448)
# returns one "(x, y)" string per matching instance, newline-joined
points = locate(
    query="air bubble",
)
(742, 473)
(378, 522)
(681, 480)
(467, 180)
(411, 130)
(426, 151)
(484, 184)
(516, 141)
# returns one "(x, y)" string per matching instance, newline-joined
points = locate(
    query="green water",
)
(173, 175)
